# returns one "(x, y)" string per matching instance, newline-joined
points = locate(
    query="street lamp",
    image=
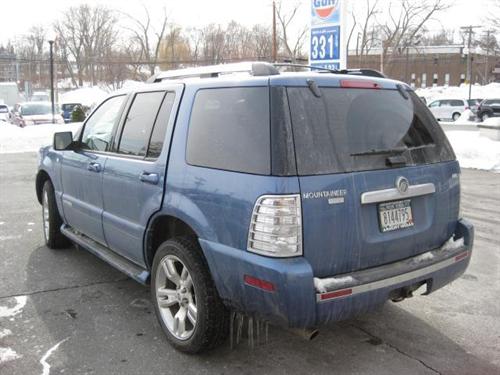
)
(51, 57)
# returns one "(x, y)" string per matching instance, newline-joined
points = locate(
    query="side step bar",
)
(109, 256)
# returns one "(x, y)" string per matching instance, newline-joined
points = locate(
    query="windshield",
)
(68, 107)
(347, 130)
(4, 109)
(36, 109)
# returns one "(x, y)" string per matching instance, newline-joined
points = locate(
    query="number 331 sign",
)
(326, 28)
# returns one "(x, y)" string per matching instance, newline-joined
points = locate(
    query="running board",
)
(109, 256)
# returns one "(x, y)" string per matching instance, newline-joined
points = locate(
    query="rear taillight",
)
(276, 226)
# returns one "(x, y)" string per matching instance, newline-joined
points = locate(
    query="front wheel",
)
(51, 220)
(185, 299)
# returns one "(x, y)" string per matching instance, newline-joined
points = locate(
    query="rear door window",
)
(160, 128)
(348, 130)
(456, 103)
(139, 123)
(229, 129)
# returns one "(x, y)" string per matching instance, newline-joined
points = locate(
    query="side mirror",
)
(63, 141)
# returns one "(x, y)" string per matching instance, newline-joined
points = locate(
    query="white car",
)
(35, 113)
(445, 109)
(4, 113)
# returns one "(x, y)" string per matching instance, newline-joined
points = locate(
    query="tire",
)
(173, 302)
(51, 220)
(485, 116)
(455, 116)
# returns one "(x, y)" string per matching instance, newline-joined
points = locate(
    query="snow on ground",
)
(489, 91)
(88, 96)
(472, 149)
(30, 138)
(475, 151)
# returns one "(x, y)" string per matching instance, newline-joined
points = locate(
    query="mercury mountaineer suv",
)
(298, 198)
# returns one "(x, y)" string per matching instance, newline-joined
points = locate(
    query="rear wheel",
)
(51, 220)
(485, 116)
(186, 301)
(455, 116)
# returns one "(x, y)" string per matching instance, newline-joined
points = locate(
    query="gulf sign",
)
(325, 11)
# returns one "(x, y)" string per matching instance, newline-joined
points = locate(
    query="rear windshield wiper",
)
(395, 150)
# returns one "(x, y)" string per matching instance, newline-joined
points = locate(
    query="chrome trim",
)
(394, 194)
(399, 278)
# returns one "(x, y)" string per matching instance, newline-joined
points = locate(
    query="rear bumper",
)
(300, 300)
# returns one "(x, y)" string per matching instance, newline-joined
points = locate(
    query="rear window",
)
(347, 130)
(4, 109)
(229, 129)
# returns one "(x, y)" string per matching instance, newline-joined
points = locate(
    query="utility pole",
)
(51, 57)
(469, 56)
(486, 67)
(275, 47)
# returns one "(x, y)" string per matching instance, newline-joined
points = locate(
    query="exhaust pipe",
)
(306, 333)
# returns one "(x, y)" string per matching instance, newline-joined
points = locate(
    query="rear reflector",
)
(358, 84)
(336, 294)
(461, 256)
(258, 283)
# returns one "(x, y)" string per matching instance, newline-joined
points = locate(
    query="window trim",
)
(115, 150)
(113, 131)
(188, 127)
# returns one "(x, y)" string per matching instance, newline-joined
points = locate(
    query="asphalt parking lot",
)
(68, 312)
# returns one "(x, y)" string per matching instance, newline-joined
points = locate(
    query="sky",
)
(20, 15)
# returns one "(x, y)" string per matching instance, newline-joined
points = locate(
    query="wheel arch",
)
(41, 177)
(162, 228)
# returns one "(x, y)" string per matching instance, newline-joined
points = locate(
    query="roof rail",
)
(256, 68)
(362, 72)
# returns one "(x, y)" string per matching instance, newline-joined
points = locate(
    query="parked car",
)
(474, 104)
(488, 108)
(67, 110)
(34, 113)
(4, 113)
(445, 109)
(298, 199)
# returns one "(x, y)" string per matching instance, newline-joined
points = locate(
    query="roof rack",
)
(362, 72)
(255, 68)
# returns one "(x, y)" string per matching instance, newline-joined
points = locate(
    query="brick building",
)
(432, 65)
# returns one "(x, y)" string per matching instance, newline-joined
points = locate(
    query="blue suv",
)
(298, 198)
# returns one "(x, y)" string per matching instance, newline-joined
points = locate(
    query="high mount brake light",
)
(359, 84)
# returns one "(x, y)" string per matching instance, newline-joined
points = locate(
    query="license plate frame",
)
(395, 215)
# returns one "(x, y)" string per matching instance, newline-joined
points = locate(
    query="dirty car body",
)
(313, 196)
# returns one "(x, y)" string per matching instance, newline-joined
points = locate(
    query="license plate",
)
(395, 215)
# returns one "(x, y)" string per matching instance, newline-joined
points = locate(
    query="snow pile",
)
(88, 96)
(489, 91)
(423, 258)
(451, 244)
(475, 151)
(492, 121)
(333, 283)
(30, 138)
(7, 354)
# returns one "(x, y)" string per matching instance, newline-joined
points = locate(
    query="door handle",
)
(150, 178)
(94, 167)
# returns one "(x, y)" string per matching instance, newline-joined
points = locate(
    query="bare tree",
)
(405, 23)
(286, 16)
(85, 35)
(149, 36)
(366, 22)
